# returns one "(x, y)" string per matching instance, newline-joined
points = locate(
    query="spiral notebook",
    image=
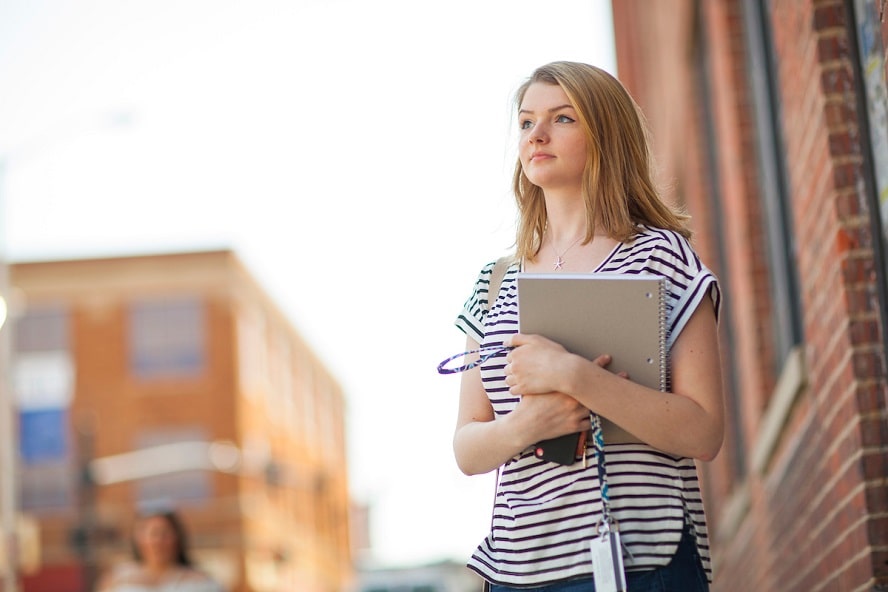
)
(593, 314)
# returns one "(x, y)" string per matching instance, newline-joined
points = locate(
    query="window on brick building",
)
(43, 383)
(786, 309)
(42, 330)
(43, 366)
(252, 351)
(167, 338)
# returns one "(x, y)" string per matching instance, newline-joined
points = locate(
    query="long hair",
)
(618, 188)
(181, 556)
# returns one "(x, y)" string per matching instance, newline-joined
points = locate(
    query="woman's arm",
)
(689, 421)
(481, 444)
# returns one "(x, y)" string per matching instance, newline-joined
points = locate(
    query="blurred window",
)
(167, 338)
(253, 354)
(41, 330)
(47, 487)
(43, 382)
(43, 435)
(786, 304)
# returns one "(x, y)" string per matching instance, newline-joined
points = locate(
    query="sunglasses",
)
(490, 351)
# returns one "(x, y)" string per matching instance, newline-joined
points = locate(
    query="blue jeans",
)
(684, 573)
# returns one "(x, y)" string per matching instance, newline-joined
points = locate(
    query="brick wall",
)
(837, 527)
(808, 510)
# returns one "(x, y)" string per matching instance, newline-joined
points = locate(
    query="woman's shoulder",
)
(665, 245)
(121, 574)
(663, 237)
(495, 271)
(504, 262)
(195, 580)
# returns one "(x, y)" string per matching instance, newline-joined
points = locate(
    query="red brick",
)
(844, 176)
(837, 79)
(843, 144)
(829, 16)
(870, 397)
(873, 468)
(832, 48)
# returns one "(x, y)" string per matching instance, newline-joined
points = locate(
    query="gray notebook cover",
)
(594, 314)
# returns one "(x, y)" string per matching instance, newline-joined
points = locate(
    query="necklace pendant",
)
(559, 262)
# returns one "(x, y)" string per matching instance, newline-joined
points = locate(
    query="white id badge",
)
(607, 562)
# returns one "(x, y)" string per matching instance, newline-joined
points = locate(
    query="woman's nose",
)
(537, 134)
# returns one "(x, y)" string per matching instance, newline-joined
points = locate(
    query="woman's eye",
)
(564, 119)
(526, 124)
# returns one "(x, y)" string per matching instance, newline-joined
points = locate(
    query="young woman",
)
(587, 203)
(162, 563)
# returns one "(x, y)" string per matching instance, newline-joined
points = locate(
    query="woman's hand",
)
(538, 365)
(532, 366)
(550, 415)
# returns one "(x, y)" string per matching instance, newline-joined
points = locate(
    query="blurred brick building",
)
(769, 121)
(184, 360)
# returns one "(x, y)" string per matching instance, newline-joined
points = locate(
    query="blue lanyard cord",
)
(598, 443)
(608, 522)
(486, 352)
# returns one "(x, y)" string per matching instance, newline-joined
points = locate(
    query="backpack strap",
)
(496, 278)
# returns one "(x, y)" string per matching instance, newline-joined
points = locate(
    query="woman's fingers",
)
(554, 414)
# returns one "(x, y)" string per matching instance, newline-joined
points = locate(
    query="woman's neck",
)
(566, 217)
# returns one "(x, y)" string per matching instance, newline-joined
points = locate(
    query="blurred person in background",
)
(161, 562)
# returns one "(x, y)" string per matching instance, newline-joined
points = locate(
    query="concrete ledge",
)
(793, 380)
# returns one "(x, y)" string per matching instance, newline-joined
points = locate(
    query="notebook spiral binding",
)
(664, 356)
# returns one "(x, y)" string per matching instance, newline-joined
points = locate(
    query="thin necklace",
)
(559, 257)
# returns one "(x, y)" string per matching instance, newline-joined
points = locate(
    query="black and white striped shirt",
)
(545, 514)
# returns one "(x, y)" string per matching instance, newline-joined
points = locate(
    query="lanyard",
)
(598, 442)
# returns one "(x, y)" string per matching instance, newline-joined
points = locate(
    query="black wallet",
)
(561, 450)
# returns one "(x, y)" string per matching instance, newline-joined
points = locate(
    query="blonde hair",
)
(618, 188)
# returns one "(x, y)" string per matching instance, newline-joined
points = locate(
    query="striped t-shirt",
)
(545, 514)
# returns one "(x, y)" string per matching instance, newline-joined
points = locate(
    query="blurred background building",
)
(769, 121)
(173, 381)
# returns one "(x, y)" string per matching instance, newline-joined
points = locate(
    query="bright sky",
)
(356, 155)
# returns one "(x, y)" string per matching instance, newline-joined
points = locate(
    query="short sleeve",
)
(670, 255)
(471, 319)
(703, 284)
(689, 281)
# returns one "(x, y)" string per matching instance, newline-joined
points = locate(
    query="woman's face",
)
(552, 146)
(156, 540)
